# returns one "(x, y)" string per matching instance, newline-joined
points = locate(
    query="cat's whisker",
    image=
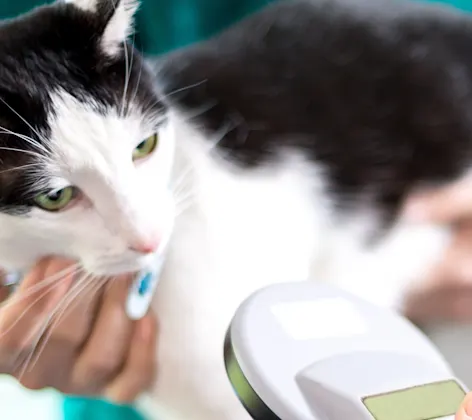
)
(48, 281)
(39, 331)
(130, 73)
(197, 112)
(28, 139)
(184, 201)
(183, 89)
(163, 97)
(19, 168)
(218, 136)
(28, 152)
(86, 284)
(136, 87)
(23, 119)
(128, 69)
(30, 306)
(179, 182)
(185, 197)
(183, 209)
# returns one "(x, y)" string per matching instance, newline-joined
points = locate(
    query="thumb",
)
(465, 410)
(448, 204)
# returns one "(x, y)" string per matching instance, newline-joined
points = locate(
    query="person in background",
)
(446, 292)
(82, 340)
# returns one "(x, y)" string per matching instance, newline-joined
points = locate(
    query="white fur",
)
(244, 230)
(120, 25)
(85, 5)
(118, 210)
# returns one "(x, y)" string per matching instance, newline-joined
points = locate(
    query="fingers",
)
(30, 305)
(79, 310)
(465, 411)
(444, 205)
(106, 348)
(448, 305)
(139, 369)
(69, 327)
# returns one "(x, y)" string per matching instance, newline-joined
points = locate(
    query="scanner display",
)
(425, 402)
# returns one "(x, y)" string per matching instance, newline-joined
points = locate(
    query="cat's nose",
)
(145, 247)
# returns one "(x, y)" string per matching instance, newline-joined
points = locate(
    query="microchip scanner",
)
(306, 351)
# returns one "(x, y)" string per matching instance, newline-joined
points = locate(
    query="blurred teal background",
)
(162, 25)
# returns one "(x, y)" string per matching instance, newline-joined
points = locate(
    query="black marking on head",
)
(57, 47)
(377, 93)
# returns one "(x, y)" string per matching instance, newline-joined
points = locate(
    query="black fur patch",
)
(377, 92)
(56, 47)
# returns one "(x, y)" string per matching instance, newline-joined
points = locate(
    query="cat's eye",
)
(55, 200)
(146, 147)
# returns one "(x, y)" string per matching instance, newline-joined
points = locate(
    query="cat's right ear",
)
(116, 21)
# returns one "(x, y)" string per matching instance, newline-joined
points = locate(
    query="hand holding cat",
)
(446, 292)
(93, 350)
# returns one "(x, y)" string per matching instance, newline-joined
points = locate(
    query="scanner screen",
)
(424, 402)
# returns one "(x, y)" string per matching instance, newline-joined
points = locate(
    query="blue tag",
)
(145, 283)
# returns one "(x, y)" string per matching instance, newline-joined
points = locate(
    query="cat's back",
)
(378, 93)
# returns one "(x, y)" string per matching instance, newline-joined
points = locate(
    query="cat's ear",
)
(116, 18)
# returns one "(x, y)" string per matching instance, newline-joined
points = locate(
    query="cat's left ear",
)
(116, 19)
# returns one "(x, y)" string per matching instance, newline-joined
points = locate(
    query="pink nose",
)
(145, 247)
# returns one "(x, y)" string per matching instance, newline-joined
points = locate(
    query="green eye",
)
(146, 147)
(55, 200)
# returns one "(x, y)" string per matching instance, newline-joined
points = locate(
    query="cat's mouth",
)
(131, 262)
(114, 266)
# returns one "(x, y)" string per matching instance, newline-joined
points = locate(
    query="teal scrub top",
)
(164, 25)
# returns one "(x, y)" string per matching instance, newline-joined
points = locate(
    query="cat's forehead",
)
(60, 46)
(57, 73)
(82, 133)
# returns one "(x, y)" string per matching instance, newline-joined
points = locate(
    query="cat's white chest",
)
(244, 232)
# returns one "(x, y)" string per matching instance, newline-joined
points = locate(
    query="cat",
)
(289, 143)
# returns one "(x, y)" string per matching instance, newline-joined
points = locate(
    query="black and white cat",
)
(289, 142)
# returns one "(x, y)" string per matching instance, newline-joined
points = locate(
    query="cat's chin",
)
(117, 268)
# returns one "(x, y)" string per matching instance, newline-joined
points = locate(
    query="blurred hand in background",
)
(446, 292)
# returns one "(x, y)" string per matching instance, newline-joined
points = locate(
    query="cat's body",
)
(291, 142)
(253, 231)
(324, 117)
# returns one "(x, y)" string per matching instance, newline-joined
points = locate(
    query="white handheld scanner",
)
(305, 351)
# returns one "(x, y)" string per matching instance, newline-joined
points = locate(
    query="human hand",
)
(449, 204)
(68, 331)
(446, 291)
(465, 410)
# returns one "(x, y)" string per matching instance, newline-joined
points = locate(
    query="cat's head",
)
(85, 151)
